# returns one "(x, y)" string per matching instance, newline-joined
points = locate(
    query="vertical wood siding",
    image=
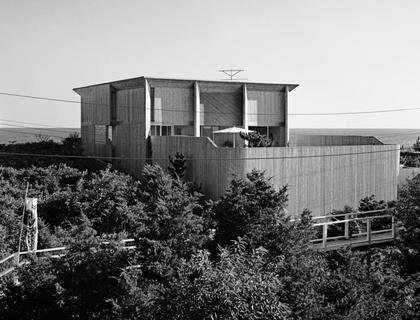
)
(95, 110)
(128, 134)
(270, 107)
(318, 182)
(222, 107)
(177, 105)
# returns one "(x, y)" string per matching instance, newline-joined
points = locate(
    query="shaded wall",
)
(95, 110)
(129, 139)
(319, 178)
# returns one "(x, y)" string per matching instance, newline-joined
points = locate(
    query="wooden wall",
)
(221, 105)
(270, 106)
(177, 105)
(319, 178)
(331, 140)
(128, 134)
(95, 110)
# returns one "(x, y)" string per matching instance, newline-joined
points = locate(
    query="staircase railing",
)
(9, 263)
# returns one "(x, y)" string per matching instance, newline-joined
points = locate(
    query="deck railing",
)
(9, 264)
(363, 221)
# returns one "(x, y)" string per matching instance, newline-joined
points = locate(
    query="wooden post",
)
(369, 230)
(324, 235)
(31, 205)
(147, 108)
(197, 110)
(245, 110)
(393, 227)
(346, 227)
(286, 116)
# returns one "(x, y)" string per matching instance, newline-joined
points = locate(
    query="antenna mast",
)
(231, 73)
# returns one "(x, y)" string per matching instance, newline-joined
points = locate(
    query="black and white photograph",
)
(210, 160)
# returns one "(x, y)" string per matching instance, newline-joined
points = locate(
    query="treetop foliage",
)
(239, 257)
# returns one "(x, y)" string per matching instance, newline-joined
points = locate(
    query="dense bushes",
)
(236, 258)
(70, 146)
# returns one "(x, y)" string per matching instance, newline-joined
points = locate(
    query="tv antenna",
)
(231, 73)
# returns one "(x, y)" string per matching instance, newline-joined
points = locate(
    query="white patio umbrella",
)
(234, 130)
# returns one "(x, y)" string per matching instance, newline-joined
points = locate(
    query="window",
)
(166, 130)
(252, 112)
(260, 129)
(184, 130)
(177, 130)
(100, 134)
(155, 130)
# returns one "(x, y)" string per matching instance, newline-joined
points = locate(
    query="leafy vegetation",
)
(70, 147)
(256, 139)
(240, 257)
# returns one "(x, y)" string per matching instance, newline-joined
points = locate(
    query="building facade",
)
(149, 119)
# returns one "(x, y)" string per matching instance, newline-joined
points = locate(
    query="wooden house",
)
(149, 119)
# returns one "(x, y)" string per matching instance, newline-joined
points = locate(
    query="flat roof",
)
(289, 85)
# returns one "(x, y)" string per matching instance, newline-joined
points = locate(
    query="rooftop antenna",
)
(231, 73)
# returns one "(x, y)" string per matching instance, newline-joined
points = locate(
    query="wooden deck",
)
(354, 242)
(366, 235)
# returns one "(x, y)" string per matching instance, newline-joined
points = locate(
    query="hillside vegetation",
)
(239, 257)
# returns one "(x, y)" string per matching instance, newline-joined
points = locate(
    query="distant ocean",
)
(404, 137)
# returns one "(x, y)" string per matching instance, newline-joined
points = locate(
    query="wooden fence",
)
(320, 179)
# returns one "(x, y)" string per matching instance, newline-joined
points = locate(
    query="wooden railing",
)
(365, 235)
(9, 264)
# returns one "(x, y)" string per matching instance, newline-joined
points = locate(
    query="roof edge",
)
(291, 86)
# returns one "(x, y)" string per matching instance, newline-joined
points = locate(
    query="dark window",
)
(177, 130)
(166, 130)
(155, 130)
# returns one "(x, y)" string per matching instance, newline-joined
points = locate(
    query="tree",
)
(256, 139)
(407, 216)
(249, 209)
(177, 167)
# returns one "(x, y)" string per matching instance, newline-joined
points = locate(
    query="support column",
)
(245, 111)
(286, 116)
(147, 108)
(197, 110)
(245, 107)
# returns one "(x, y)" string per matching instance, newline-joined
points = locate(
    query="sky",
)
(356, 55)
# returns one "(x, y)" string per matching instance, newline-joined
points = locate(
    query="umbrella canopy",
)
(233, 130)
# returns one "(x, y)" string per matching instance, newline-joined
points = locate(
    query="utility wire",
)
(31, 133)
(192, 159)
(48, 135)
(217, 112)
(33, 128)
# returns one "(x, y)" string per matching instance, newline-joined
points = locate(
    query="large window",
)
(183, 130)
(156, 130)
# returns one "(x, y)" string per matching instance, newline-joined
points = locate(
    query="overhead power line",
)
(215, 112)
(192, 159)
